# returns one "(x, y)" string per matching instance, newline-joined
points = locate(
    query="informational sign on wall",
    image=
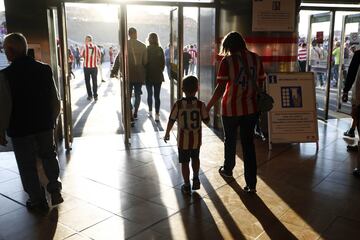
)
(273, 15)
(294, 116)
(354, 38)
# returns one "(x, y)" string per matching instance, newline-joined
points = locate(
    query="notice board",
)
(294, 116)
(273, 15)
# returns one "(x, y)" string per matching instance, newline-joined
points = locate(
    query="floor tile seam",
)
(338, 183)
(152, 225)
(348, 218)
(207, 195)
(13, 171)
(10, 170)
(307, 226)
(106, 185)
(81, 232)
(13, 210)
(93, 204)
(177, 209)
(9, 179)
(343, 184)
(77, 233)
(153, 147)
(274, 157)
(329, 226)
(13, 200)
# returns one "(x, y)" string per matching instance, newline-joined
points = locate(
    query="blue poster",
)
(291, 97)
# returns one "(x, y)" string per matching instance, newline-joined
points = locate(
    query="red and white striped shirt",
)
(240, 95)
(302, 54)
(91, 54)
(193, 54)
(189, 113)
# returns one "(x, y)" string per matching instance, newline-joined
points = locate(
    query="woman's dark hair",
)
(190, 84)
(153, 39)
(232, 42)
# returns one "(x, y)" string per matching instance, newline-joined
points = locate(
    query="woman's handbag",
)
(264, 101)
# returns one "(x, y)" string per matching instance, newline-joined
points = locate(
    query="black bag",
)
(264, 102)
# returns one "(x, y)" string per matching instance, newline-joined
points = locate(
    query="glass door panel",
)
(318, 62)
(350, 42)
(65, 78)
(174, 55)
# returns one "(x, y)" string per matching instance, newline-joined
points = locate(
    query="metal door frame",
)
(346, 19)
(124, 79)
(65, 76)
(329, 14)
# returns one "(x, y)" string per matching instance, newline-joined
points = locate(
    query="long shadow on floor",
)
(269, 222)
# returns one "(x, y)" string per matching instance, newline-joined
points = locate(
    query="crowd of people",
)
(318, 60)
(29, 109)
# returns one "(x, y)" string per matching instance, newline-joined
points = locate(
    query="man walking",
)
(137, 59)
(137, 62)
(35, 108)
(353, 77)
(91, 54)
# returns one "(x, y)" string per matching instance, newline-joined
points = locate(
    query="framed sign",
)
(273, 15)
(294, 116)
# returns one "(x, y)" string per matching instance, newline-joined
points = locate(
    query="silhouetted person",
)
(137, 55)
(189, 113)
(5, 108)
(168, 60)
(154, 73)
(35, 108)
(240, 70)
(353, 76)
(186, 61)
(91, 54)
(302, 57)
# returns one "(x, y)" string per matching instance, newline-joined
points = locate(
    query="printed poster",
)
(273, 15)
(294, 116)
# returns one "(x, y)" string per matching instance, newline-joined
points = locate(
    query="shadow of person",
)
(270, 223)
(47, 226)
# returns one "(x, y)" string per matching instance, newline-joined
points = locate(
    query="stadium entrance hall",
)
(186, 34)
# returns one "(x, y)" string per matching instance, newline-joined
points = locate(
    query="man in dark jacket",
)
(353, 77)
(35, 107)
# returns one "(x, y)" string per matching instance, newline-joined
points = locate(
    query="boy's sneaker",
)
(150, 114)
(185, 189)
(225, 174)
(196, 184)
(350, 133)
(56, 198)
(249, 189)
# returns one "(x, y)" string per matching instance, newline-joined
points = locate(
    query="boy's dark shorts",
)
(185, 155)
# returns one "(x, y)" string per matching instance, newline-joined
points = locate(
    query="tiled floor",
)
(114, 193)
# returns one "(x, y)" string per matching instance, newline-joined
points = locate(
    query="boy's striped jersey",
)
(189, 113)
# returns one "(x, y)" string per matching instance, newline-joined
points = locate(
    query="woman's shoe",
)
(248, 189)
(225, 174)
(350, 133)
(157, 117)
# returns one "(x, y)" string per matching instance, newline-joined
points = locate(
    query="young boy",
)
(188, 112)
